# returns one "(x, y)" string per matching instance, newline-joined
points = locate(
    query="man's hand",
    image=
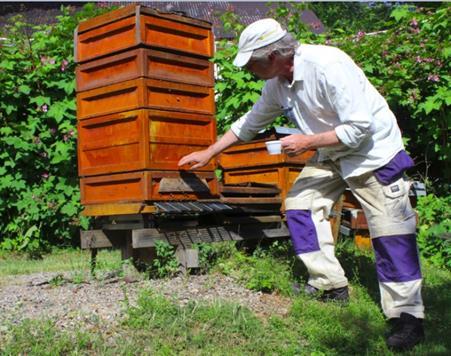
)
(296, 144)
(197, 159)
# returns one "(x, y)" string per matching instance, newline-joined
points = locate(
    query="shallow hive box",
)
(137, 26)
(147, 186)
(282, 176)
(251, 162)
(142, 139)
(254, 154)
(145, 93)
(144, 62)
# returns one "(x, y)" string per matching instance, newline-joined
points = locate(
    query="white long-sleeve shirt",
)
(330, 92)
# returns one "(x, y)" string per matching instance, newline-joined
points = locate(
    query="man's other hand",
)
(296, 144)
(196, 159)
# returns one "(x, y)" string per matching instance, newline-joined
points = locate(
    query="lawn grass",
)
(60, 260)
(159, 326)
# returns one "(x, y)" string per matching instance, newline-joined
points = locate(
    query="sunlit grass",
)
(67, 260)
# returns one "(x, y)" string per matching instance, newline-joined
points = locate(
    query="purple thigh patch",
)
(397, 258)
(394, 169)
(302, 231)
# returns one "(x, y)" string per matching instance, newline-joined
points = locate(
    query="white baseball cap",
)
(257, 35)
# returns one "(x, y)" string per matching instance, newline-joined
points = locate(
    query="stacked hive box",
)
(144, 99)
(251, 162)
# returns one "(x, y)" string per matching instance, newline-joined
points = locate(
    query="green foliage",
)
(264, 270)
(39, 195)
(207, 256)
(409, 64)
(353, 16)
(434, 229)
(165, 263)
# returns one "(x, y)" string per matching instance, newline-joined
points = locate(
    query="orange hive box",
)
(251, 162)
(141, 139)
(137, 26)
(143, 62)
(147, 186)
(145, 93)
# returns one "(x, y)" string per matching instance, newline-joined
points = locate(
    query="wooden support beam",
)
(117, 209)
(94, 239)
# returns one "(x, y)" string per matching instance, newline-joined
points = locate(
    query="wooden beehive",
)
(138, 26)
(145, 93)
(146, 63)
(251, 162)
(147, 186)
(140, 140)
(144, 99)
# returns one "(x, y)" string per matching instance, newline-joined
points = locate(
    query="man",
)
(359, 145)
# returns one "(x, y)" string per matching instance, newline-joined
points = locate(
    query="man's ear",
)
(272, 56)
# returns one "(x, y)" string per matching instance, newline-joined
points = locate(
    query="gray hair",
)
(286, 47)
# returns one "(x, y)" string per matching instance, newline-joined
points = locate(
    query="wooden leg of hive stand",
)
(188, 258)
(93, 261)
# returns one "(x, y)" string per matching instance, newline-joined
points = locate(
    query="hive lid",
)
(136, 10)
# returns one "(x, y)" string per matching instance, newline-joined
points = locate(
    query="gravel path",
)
(102, 302)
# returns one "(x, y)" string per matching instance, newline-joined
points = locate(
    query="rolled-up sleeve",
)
(344, 86)
(264, 111)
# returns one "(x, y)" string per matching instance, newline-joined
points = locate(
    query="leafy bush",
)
(409, 64)
(165, 263)
(266, 269)
(434, 234)
(39, 195)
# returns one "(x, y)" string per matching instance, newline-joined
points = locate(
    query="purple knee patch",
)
(397, 258)
(302, 231)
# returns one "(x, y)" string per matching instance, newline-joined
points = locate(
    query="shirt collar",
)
(297, 70)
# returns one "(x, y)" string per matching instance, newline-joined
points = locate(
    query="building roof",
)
(247, 12)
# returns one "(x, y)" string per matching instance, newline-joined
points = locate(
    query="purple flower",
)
(45, 175)
(43, 59)
(384, 53)
(64, 64)
(433, 77)
(360, 35)
(66, 138)
(70, 132)
(418, 59)
(52, 61)
(414, 23)
(44, 108)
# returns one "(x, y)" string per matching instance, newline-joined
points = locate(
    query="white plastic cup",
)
(274, 147)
